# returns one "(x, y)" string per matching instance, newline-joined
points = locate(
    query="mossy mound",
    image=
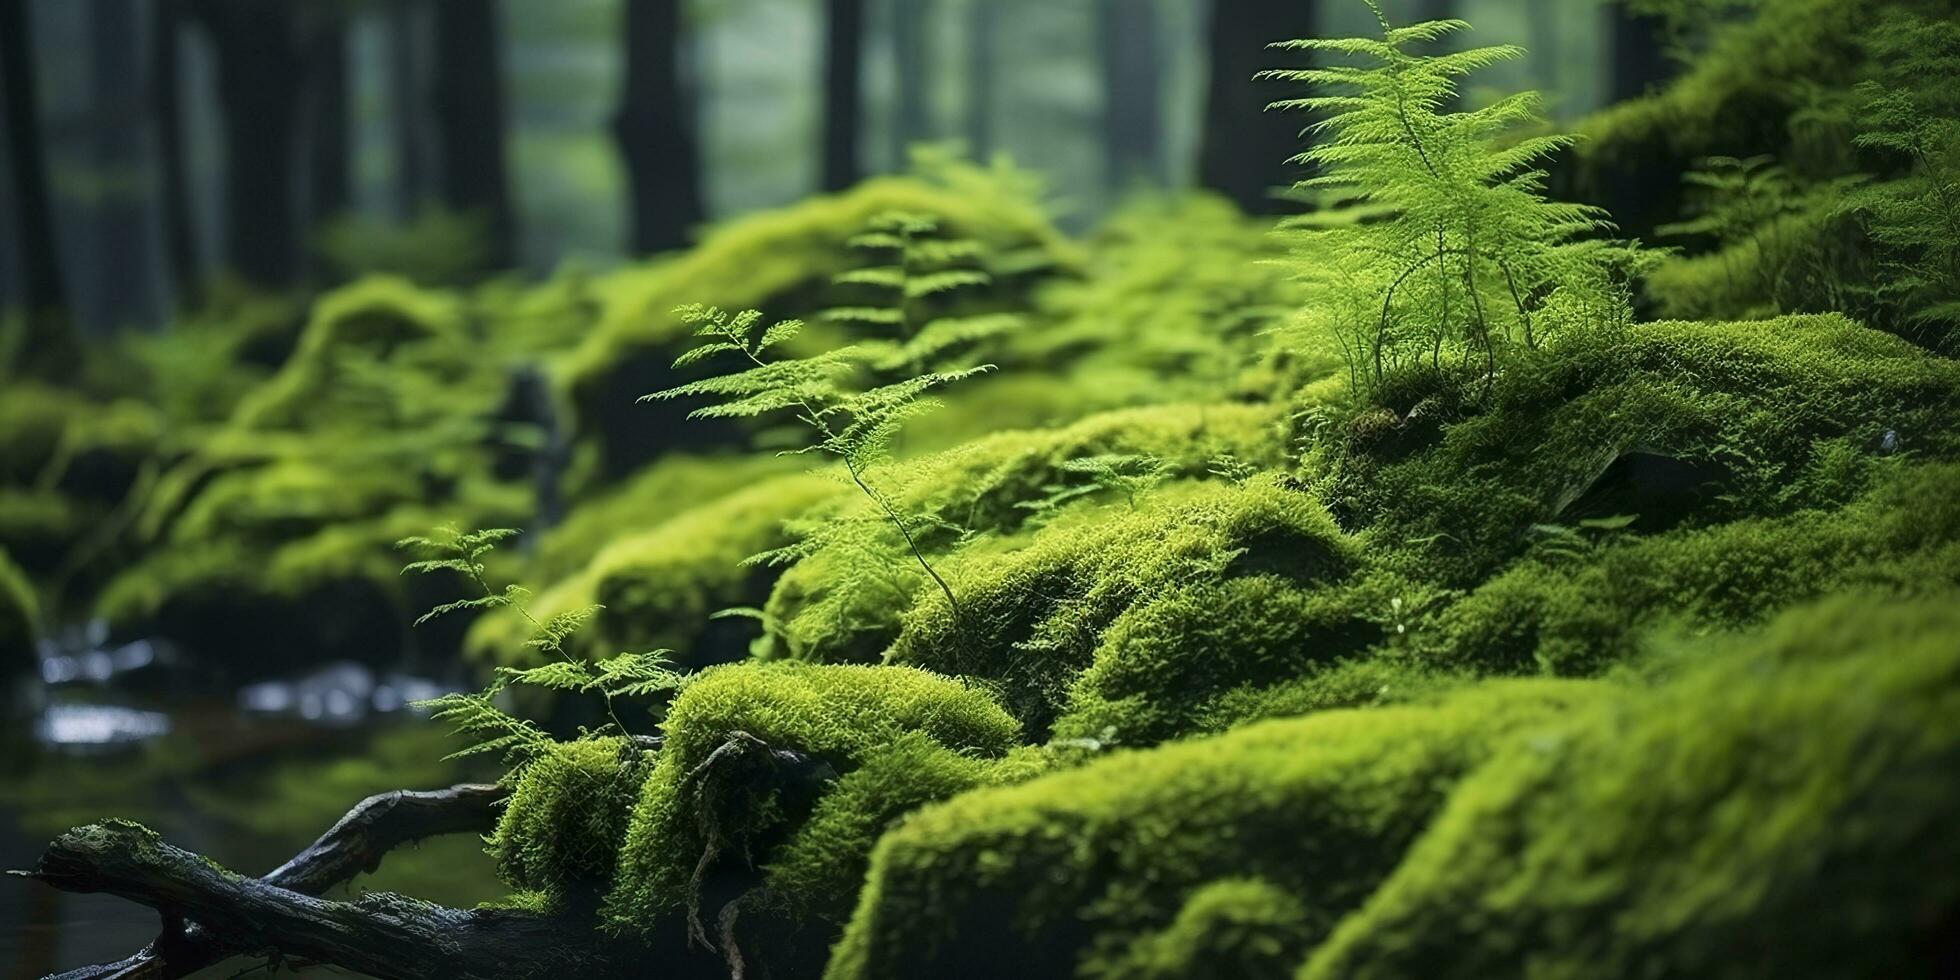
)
(863, 726)
(781, 262)
(1783, 793)
(566, 818)
(1077, 873)
(1792, 799)
(829, 609)
(660, 586)
(1671, 424)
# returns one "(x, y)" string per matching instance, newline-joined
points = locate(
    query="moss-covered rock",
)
(704, 802)
(1089, 872)
(1784, 793)
(1792, 799)
(660, 586)
(1674, 424)
(566, 818)
(831, 609)
(781, 262)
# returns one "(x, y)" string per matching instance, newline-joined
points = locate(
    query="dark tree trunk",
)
(1638, 46)
(982, 65)
(260, 80)
(330, 188)
(173, 192)
(655, 130)
(405, 101)
(1245, 148)
(1133, 109)
(123, 294)
(469, 109)
(911, 120)
(49, 344)
(1543, 35)
(843, 112)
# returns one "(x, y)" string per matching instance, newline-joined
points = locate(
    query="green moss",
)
(659, 586)
(1789, 799)
(1236, 927)
(828, 614)
(1583, 614)
(1034, 609)
(1079, 873)
(19, 616)
(1735, 415)
(1359, 683)
(841, 715)
(566, 818)
(780, 262)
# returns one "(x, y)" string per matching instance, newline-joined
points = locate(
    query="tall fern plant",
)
(854, 427)
(1445, 245)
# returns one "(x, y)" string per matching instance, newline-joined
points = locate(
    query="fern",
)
(1464, 254)
(1127, 474)
(914, 267)
(1912, 111)
(855, 427)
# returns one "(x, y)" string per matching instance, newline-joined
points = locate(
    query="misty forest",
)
(1104, 489)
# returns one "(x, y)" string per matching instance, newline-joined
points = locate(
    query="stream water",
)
(244, 774)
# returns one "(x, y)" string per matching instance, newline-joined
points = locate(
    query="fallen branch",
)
(354, 845)
(381, 934)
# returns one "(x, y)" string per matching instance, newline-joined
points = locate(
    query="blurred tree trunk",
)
(330, 188)
(1543, 37)
(260, 82)
(1245, 148)
(405, 98)
(843, 113)
(119, 217)
(173, 192)
(1638, 50)
(48, 346)
(1133, 111)
(468, 94)
(912, 120)
(982, 66)
(655, 130)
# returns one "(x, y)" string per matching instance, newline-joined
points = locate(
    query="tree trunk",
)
(260, 79)
(982, 66)
(1245, 149)
(843, 112)
(330, 188)
(179, 244)
(655, 130)
(119, 218)
(48, 346)
(405, 99)
(1543, 35)
(912, 119)
(1133, 109)
(1638, 46)
(469, 109)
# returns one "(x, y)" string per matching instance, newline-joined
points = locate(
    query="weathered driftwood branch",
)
(354, 845)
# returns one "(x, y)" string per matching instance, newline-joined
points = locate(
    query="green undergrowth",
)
(1779, 792)
(19, 615)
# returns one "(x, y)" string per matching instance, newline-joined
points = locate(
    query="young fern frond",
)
(515, 741)
(1465, 255)
(856, 427)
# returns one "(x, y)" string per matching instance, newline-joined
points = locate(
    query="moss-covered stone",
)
(660, 586)
(1079, 873)
(844, 716)
(1791, 799)
(1676, 424)
(566, 818)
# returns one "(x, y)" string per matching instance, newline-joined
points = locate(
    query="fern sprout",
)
(855, 427)
(1462, 253)
(1128, 474)
(913, 266)
(475, 713)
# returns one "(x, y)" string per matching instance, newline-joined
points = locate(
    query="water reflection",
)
(97, 726)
